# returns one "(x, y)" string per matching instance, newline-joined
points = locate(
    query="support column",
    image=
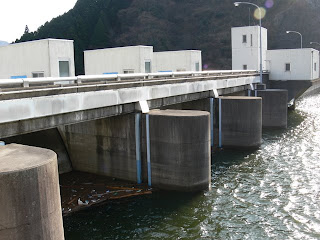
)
(138, 147)
(240, 122)
(212, 121)
(148, 148)
(274, 108)
(180, 144)
(30, 194)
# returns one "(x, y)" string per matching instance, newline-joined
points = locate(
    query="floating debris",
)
(82, 190)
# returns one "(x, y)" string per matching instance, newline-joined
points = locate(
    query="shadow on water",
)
(128, 219)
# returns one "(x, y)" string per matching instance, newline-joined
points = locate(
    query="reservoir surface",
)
(269, 193)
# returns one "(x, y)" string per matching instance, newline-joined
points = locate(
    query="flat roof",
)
(39, 40)
(179, 51)
(294, 49)
(137, 46)
(256, 26)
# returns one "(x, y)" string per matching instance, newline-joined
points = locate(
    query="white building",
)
(139, 59)
(293, 64)
(132, 59)
(284, 64)
(177, 61)
(40, 58)
(246, 48)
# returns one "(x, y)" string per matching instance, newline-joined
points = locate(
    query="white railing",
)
(26, 82)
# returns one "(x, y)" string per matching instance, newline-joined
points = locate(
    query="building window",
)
(37, 74)
(197, 66)
(288, 67)
(251, 41)
(245, 67)
(127, 71)
(244, 38)
(147, 66)
(315, 66)
(64, 69)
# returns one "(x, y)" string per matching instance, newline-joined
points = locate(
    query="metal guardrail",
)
(27, 82)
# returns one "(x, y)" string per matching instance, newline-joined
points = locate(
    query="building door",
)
(147, 66)
(64, 69)
(197, 66)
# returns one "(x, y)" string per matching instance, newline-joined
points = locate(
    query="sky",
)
(16, 14)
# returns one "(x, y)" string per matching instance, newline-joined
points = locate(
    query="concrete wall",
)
(105, 147)
(176, 61)
(301, 60)
(22, 59)
(117, 60)
(248, 53)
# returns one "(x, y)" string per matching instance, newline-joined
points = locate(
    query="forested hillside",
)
(179, 24)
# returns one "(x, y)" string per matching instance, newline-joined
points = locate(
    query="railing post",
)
(25, 83)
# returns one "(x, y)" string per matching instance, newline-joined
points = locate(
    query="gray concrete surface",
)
(274, 108)
(35, 110)
(105, 147)
(241, 119)
(180, 150)
(49, 139)
(29, 194)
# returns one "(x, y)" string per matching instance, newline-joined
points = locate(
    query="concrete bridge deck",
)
(28, 105)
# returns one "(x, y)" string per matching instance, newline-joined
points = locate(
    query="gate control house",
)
(40, 58)
(140, 59)
(177, 61)
(282, 64)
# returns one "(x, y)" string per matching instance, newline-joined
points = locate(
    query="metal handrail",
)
(26, 82)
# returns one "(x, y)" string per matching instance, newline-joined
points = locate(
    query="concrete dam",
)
(158, 129)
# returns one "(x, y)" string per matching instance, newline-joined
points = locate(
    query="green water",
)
(271, 193)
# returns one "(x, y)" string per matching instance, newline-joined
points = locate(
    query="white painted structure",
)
(246, 48)
(177, 61)
(293, 64)
(132, 59)
(140, 59)
(40, 58)
(283, 64)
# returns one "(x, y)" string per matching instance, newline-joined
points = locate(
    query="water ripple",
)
(272, 193)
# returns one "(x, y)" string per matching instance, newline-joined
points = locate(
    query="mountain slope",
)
(178, 24)
(3, 43)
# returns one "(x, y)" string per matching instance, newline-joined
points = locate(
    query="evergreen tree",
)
(26, 30)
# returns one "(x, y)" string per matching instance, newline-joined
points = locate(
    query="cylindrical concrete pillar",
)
(274, 107)
(29, 194)
(180, 150)
(240, 122)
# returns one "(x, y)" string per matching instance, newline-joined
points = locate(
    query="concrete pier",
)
(274, 107)
(29, 194)
(239, 124)
(180, 150)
